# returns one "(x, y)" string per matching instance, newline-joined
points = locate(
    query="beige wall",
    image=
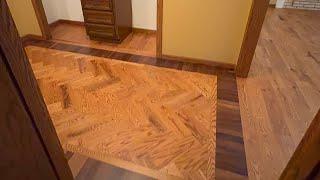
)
(24, 17)
(205, 29)
(273, 1)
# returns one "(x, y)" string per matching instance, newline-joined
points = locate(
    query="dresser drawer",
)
(100, 31)
(97, 4)
(103, 17)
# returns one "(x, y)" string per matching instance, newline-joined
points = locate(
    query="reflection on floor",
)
(282, 93)
(142, 43)
(84, 168)
(156, 121)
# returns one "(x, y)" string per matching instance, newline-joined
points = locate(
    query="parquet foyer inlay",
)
(157, 119)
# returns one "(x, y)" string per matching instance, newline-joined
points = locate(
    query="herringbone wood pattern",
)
(160, 121)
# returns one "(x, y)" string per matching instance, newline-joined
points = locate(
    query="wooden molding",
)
(159, 27)
(305, 162)
(141, 30)
(257, 14)
(42, 19)
(81, 23)
(27, 37)
(66, 21)
(225, 66)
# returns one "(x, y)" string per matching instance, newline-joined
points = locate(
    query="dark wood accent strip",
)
(11, 45)
(257, 14)
(42, 19)
(160, 62)
(230, 150)
(305, 160)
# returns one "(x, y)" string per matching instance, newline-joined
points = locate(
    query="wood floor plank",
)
(281, 95)
(157, 118)
(229, 128)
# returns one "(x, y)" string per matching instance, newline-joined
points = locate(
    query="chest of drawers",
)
(107, 20)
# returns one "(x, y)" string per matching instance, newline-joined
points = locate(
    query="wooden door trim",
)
(21, 70)
(254, 25)
(305, 162)
(159, 28)
(42, 19)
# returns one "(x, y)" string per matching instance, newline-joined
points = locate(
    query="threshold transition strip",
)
(230, 152)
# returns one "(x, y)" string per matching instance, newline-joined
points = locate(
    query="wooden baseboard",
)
(66, 21)
(272, 5)
(31, 36)
(140, 30)
(226, 66)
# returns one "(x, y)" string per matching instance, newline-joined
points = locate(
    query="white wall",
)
(63, 9)
(280, 3)
(144, 12)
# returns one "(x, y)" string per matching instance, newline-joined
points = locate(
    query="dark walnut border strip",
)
(230, 152)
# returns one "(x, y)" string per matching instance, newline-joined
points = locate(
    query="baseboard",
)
(272, 6)
(66, 21)
(225, 66)
(141, 30)
(27, 37)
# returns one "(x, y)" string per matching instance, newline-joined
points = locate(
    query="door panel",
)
(17, 64)
(21, 151)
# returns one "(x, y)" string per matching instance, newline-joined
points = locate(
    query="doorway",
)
(63, 21)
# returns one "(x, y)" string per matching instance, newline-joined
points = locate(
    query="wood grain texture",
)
(21, 70)
(230, 161)
(305, 162)
(230, 151)
(281, 95)
(157, 118)
(251, 36)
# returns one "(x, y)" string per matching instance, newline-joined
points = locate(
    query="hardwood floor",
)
(282, 93)
(158, 120)
(230, 154)
(142, 43)
(277, 101)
